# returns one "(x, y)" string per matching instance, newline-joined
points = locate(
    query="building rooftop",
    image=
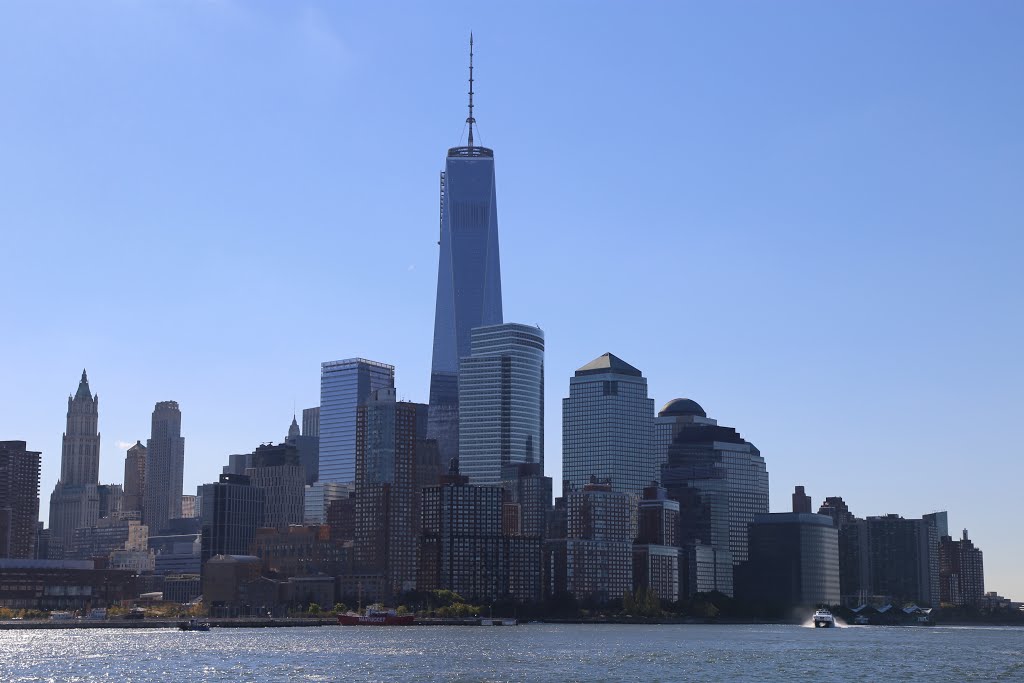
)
(608, 363)
(682, 406)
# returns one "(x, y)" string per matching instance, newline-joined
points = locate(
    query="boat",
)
(194, 625)
(376, 616)
(824, 619)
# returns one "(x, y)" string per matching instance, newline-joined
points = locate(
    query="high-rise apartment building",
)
(501, 401)
(231, 510)
(607, 427)
(165, 464)
(468, 275)
(656, 548)
(961, 572)
(134, 477)
(19, 500)
(75, 501)
(388, 520)
(594, 563)
(344, 386)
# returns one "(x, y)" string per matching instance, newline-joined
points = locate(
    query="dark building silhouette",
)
(278, 471)
(801, 501)
(656, 549)
(961, 572)
(19, 499)
(232, 509)
(134, 478)
(308, 448)
(793, 561)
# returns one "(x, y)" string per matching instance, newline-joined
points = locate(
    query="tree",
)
(314, 608)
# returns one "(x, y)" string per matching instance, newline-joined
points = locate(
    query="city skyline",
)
(837, 363)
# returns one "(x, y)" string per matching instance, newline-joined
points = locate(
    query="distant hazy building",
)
(594, 562)
(719, 479)
(344, 386)
(177, 553)
(165, 462)
(75, 501)
(278, 471)
(961, 572)
(793, 561)
(388, 521)
(231, 510)
(108, 535)
(19, 500)
(801, 501)
(607, 427)
(656, 548)
(189, 506)
(309, 451)
(134, 477)
(501, 401)
(238, 463)
(311, 422)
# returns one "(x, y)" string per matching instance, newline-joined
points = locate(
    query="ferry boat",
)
(376, 616)
(824, 619)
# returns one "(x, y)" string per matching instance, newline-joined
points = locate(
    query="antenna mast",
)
(470, 120)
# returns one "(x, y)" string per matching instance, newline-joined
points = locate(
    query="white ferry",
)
(824, 619)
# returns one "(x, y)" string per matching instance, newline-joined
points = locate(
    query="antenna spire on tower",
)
(470, 120)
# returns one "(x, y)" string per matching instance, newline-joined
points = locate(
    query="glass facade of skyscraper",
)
(607, 427)
(468, 281)
(344, 386)
(501, 401)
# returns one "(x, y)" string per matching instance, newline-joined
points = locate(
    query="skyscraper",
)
(75, 501)
(311, 421)
(19, 499)
(165, 462)
(309, 450)
(134, 477)
(961, 572)
(278, 471)
(231, 510)
(607, 427)
(344, 386)
(468, 274)
(501, 401)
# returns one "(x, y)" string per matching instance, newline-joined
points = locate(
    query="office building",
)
(165, 462)
(75, 501)
(801, 501)
(311, 422)
(309, 451)
(177, 554)
(109, 534)
(319, 496)
(719, 479)
(189, 506)
(278, 471)
(388, 520)
(344, 386)
(607, 427)
(793, 561)
(111, 499)
(468, 275)
(501, 401)
(19, 500)
(232, 509)
(134, 477)
(961, 572)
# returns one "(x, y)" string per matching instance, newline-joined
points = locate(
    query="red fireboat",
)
(376, 617)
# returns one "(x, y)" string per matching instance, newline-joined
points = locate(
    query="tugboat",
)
(194, 624)
(824, 619)
(376, 616)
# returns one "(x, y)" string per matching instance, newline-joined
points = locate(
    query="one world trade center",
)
(468, 275)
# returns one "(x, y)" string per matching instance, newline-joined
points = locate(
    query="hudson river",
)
(533, 652)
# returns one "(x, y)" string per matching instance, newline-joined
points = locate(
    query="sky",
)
(805, 216)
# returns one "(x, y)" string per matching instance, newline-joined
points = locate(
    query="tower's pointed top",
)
(293, 430)
(470, 121)
(83, 387)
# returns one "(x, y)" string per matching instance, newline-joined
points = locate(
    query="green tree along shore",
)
(642, 605)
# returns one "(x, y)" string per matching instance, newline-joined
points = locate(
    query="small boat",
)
(824, 619)
(376, 616)
(194, 625)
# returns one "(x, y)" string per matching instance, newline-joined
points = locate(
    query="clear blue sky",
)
(806, 216)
